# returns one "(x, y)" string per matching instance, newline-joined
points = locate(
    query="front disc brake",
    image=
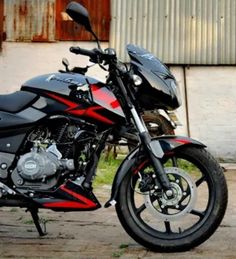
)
(182, 201)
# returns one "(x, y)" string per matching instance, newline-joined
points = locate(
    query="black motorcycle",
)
(169, 192)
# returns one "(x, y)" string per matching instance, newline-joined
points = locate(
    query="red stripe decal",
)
(115, 104)
(67, 204)
(182, 141)
(90, 112)
(82, 203)
(71, 105)
(87, 202)
(136, 170)
(73, 109)
(103, 95)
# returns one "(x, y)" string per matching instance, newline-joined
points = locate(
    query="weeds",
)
(122, 248)
(106, 170)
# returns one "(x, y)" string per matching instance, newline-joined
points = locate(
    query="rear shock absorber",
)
(61, 133)
(64, 142)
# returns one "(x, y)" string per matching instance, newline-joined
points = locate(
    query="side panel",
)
(6, 161)
(16, 121)
(13, 128)
(11, 144)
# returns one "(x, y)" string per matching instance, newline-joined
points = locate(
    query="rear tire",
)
(184, 221)
(164, 126)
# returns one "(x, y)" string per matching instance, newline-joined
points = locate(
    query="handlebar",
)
(77, 50)
(96, 55)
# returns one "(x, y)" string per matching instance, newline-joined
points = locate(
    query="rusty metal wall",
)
(99, 12)
(177, 31)
(29, 20)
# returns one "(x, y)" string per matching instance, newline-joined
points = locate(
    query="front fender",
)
(168, 144)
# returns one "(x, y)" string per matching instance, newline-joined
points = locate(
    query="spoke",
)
(200, 180)
(167, 225)
(200, 214)
(183, 199)
(140, 209)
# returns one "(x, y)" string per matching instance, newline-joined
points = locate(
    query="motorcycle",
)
(53, 132)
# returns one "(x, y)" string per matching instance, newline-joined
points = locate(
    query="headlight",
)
(176, 91)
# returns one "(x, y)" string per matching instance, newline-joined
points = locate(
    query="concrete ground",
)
(99, 234)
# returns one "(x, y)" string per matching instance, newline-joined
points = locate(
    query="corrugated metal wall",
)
(30, 20)
(177, 31)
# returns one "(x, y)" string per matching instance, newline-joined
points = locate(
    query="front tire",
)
(187, 219)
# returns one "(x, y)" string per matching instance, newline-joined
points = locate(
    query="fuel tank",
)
(80, 95)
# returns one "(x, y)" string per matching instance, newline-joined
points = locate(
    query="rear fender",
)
(168, 144)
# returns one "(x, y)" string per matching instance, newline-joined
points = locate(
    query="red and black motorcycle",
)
(169, 192)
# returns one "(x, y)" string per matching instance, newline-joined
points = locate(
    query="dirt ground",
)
(99, 234)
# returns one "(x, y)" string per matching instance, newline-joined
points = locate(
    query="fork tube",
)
(153, 148)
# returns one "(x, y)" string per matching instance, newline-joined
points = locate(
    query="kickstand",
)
(40, 224)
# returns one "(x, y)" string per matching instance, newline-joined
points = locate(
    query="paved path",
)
(99, 235)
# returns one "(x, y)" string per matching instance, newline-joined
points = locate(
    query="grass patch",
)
(106, 170)
(119, 253)
(123, 246)
(13, 210)
(28, 222)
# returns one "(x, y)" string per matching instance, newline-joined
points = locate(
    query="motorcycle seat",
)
(16, 101)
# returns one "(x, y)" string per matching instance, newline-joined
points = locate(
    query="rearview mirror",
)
(79, 14)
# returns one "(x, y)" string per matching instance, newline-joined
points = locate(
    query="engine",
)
(39, 167)
(50, 155)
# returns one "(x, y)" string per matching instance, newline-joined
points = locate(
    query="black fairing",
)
(158, 89)
(96, 102)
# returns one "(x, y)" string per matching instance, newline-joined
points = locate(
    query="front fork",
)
(153, 148)
(154, 151)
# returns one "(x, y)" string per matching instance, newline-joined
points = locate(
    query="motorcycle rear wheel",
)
(164, 125)
(187, 219)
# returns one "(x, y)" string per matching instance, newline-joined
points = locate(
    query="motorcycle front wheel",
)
(180, 222)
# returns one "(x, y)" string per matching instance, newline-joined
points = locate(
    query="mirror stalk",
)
(96, 38)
